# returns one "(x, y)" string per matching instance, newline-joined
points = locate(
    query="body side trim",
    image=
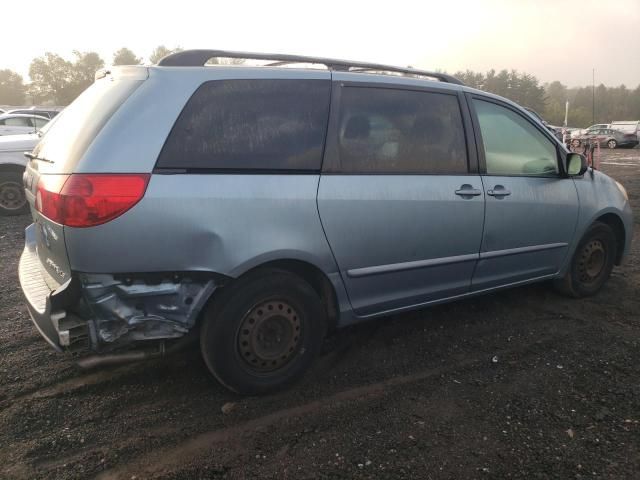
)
(516, 251)
(397, 267)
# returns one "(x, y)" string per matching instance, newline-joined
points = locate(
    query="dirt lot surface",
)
(518, 384)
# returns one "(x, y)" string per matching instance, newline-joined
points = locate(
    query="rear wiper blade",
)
(31, 156)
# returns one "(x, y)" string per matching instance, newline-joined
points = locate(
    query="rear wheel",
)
(12, 197)
(591, 264)
(262, 332)
(612, 144)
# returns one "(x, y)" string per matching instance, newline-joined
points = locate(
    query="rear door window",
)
(384, 130)
(265, 124)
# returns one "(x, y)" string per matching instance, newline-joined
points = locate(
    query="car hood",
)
(12, 143)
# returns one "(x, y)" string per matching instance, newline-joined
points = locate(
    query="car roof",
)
(200, 57)
(16, 115)
(26, 110)
(193, 63)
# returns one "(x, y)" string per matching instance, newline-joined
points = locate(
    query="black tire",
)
(262, 332)
(591, 264)
(612, 144)
(12, 198)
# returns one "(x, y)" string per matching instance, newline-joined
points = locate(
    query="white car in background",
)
(12, 164)
(17, 123)
(627, 126)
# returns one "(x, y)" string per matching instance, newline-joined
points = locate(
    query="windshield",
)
(72, 131)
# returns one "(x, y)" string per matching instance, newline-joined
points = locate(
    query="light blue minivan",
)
(259, 206)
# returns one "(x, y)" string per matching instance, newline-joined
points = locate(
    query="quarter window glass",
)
(512, 145)
(400, 131)
(251, 124)
(40, 122)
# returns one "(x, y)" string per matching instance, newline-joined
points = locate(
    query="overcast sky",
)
(552, 39)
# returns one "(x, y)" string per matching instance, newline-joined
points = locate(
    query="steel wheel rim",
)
(11, 196)
(611, 144)
(593, 259)
(269, 336)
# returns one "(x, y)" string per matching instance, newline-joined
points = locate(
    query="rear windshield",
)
(78, 124)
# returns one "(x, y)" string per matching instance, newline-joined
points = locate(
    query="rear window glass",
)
(79, 123)
(250, 124)
(385, 130)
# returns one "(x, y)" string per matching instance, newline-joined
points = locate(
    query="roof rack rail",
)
(197, 58)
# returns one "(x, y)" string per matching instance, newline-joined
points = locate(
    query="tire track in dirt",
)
(160, 461)
(69, 385)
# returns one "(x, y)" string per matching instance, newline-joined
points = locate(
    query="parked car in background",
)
(583, 131)
(17, 123)
(627, 126)
(12, 163)
(41, 112)
(257, 208)
(606, 137)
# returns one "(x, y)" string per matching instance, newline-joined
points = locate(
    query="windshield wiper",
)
(31, 156)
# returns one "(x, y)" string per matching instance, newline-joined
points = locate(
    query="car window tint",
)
(18, 122)
(384, 130)
(40, 122)
(251, 124)
(512, 145)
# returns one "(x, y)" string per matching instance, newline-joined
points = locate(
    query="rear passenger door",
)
(531, 209)
(15, 125)
(401, 206)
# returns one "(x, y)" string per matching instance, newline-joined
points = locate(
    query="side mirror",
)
(576, 164)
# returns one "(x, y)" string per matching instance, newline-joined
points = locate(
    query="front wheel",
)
(612, 144)
(591, 264)
(262, 332)
(12, 198)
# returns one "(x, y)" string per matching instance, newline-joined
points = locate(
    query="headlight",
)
(623, 191)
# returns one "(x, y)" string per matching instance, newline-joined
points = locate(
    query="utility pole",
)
(593, 95)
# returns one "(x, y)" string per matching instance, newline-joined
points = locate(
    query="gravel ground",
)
(518, 384)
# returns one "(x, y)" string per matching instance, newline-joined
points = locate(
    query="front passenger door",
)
(531, 209)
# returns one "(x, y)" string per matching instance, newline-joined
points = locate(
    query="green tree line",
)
(611, 103)
(56, 80)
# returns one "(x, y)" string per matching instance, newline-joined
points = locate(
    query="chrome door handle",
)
(467, 190)
(499, 191)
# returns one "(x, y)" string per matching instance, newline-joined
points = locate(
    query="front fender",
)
(598, 196)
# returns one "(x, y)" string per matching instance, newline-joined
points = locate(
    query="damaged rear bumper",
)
(103, 312)
(138, 307)
(48, 304)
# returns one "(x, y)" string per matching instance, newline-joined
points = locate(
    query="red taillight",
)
(85, 200)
